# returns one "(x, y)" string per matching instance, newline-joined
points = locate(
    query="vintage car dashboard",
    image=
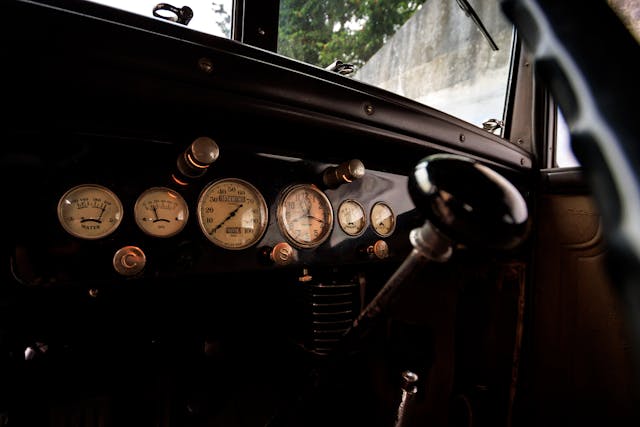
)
(109, 207)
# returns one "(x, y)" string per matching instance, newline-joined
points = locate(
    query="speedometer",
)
(232, 213)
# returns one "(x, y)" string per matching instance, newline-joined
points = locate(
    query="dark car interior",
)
(478, 286)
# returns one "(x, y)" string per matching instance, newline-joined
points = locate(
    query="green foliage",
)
(322, 31)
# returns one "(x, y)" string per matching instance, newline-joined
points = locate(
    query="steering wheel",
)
(590, 63)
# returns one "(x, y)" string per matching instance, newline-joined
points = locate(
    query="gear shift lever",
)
(463, 202)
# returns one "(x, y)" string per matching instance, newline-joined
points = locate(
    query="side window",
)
(563, 155)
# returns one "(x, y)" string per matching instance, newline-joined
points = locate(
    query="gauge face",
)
(161, 212)
(383, 219)
(90, 211)
(305, 215)
(232, 213)
(351, 217)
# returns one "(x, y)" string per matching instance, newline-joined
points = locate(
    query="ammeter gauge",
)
(351, 217)
(161, 212)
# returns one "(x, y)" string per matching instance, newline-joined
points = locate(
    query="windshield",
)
(452, 55)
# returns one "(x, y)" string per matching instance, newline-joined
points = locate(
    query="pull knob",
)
(129, 260)
(281, 254)
(380, 250)
(196, 159)
(335, 176)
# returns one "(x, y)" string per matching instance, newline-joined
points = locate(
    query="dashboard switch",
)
(196, 159)
(380, 250)
(335, 176)
(129, 260)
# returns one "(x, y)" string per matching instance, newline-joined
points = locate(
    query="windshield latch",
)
(493, 125)
(171, 13)
(341, 67)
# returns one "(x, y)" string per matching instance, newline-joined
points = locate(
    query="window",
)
(564, 157)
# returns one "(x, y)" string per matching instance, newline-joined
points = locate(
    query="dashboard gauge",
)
(232, 213)
(351, 217)
(90, 211)
(161, 212)
(383, 220)
(305, 215)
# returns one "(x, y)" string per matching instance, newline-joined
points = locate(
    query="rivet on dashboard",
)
(462, 137)
(205, 65)
(368, 108)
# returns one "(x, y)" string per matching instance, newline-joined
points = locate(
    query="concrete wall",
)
(440, 58)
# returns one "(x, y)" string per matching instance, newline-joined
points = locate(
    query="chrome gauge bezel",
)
(105, 206)
(203, 212)
(147, 224)
(286, 203)
(345, 226)
(374, 222)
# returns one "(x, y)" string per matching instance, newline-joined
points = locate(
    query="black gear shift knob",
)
(469, 202)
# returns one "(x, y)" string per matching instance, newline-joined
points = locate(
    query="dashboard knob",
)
(282, 254)
(346, 172)
(129, 260)
(468, 202)
(380, 250)
(196, 159)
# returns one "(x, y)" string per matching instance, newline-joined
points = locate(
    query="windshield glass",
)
(209, 16)
(433, 52)
(452, 55)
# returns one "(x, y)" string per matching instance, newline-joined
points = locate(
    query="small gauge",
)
(90, 211)
(305, 215)
(383, 219)
(351, 217)
(232, 213)
(161, 212)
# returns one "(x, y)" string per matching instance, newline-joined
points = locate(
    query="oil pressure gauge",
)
(383, 220)
(305, 215)
(89, 211)
(161, 212)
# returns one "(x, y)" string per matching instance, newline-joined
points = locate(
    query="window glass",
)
(211, 17)
(431, 51)
(564, 154)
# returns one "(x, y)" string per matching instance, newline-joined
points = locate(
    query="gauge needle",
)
(155, 212)
(98, 220)
(231, 215)
(316, 218)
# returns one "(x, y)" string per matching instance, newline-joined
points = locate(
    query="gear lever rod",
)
(463, 201)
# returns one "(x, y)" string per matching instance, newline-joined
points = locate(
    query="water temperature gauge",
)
(89, 211)
(161, 212)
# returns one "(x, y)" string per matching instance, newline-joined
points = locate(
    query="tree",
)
(322, 31)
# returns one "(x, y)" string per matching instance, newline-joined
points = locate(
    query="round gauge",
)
(351, 217)
(232, 213)
(161, 212)
(305, 215)
(90, 211)
(383, 219)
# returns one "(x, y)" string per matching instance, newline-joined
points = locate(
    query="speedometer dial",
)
(232, 213)
(305, 215)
